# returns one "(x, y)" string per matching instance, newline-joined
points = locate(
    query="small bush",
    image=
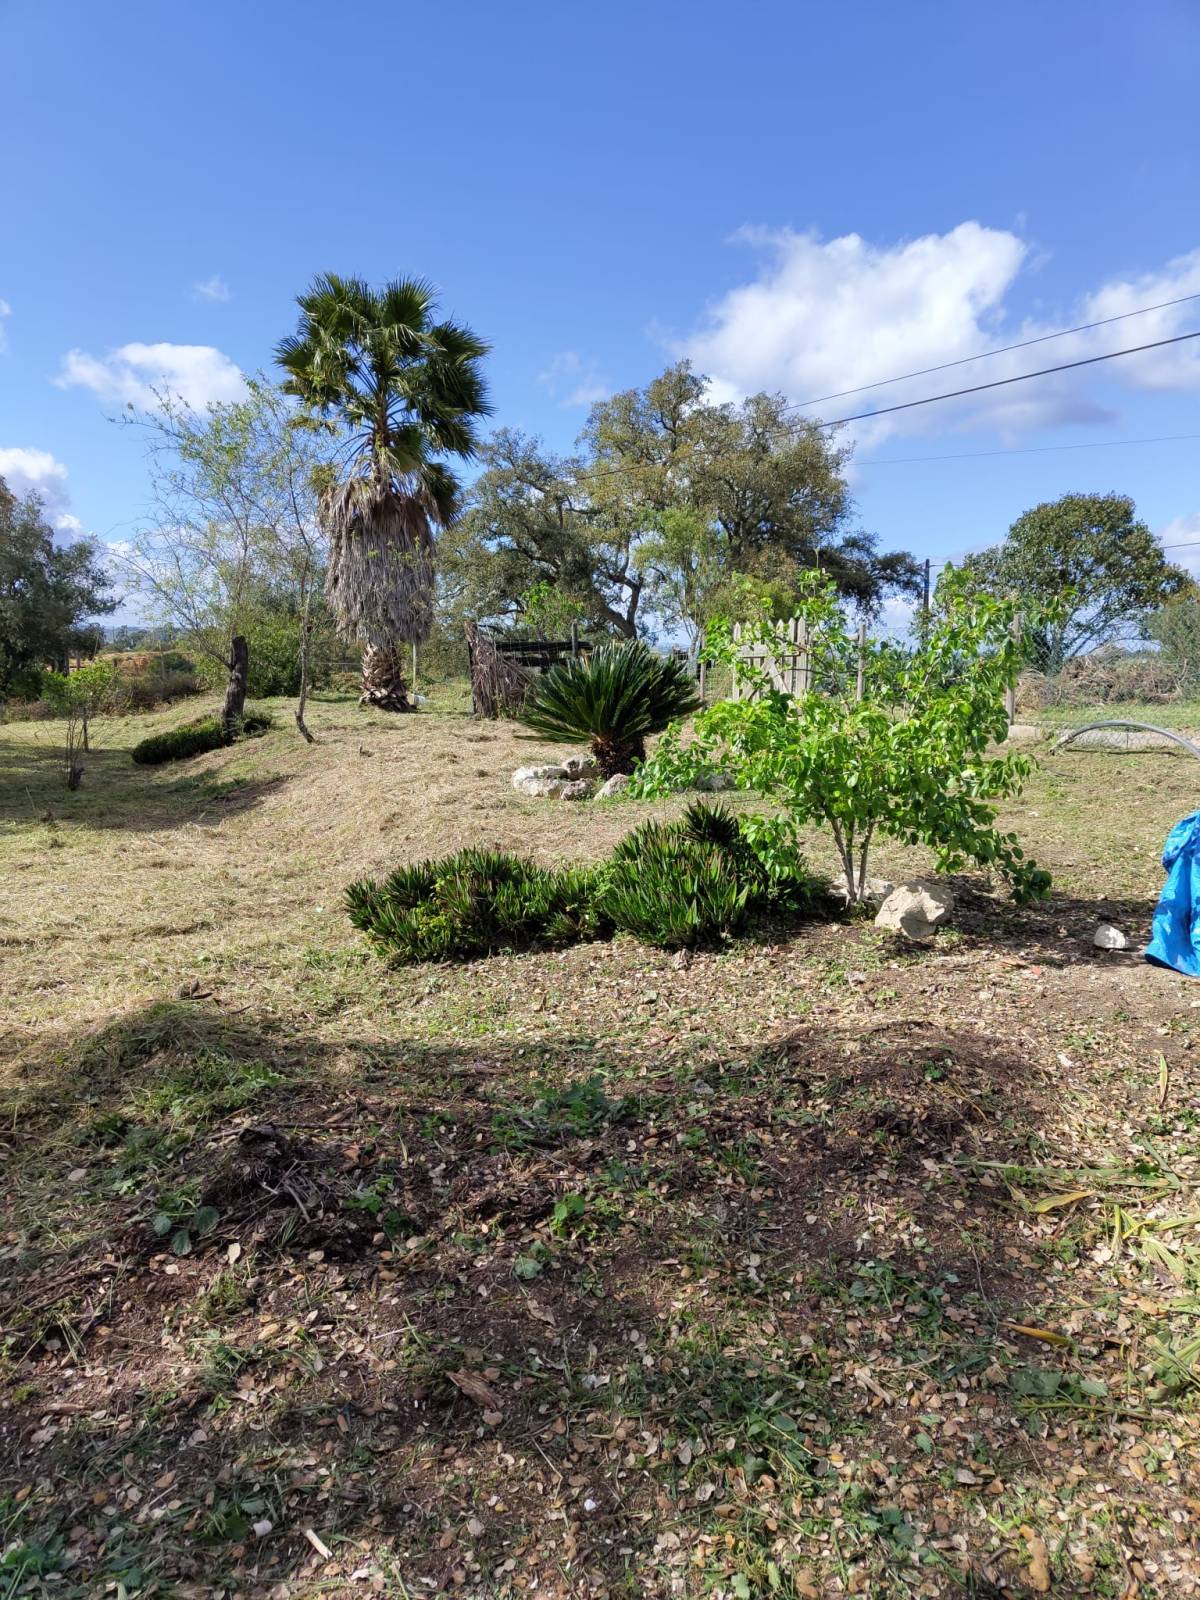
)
(144, 690)
(676, 891)
(194, 738)
(472, 903)
(685, 883)
(28, 710)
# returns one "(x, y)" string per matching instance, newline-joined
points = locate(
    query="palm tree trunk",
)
(383, 684)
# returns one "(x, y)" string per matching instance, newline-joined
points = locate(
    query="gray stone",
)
(541, 782)
(614, 785)
(538, 782)
(578, 789)
(1106, 937)
(580, 767)
(916, 908)
(714, 782)
(875, 890)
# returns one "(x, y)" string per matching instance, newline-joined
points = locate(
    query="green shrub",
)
(616, 697)
(471, 903)
(194, 738)
(683, 883)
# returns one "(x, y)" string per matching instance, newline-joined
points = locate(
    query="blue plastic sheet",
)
(1175, 934)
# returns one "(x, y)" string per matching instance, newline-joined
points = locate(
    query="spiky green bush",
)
(194, 738)
(616, 697)
(676, 884)
(472, 903)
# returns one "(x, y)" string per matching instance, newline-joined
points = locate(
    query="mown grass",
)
(810, 1265)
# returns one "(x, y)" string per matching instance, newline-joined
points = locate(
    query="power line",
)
(1020, 377)
(1188, 544)
(1028, 450)
(1004, 349)
(951, 394)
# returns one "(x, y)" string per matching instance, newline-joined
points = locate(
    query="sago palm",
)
(615, 698)
(405, 391)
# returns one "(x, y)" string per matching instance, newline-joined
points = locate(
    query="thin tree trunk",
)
(383, 683)
(235, 689)
(305, 623)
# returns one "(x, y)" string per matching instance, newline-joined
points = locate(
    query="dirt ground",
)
(808, 1266)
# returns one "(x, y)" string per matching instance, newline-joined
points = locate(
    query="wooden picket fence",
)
(786, 661)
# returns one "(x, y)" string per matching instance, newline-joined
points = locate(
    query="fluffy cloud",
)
(823, 316)
(1183, 531)
(5, 311)
(214, 288)
(572, 382)
(137, 374)
(37, 470)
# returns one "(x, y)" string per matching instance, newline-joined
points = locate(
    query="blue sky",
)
(799, 197)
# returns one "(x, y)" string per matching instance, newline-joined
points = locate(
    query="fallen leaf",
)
(1051, 1202)
(1039, 1561)
(1046, 1334)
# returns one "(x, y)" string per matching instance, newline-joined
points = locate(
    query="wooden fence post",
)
(1010, 694)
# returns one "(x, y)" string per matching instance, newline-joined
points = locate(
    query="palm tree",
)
(404, 391)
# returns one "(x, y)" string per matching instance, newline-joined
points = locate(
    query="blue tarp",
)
(1175, 934)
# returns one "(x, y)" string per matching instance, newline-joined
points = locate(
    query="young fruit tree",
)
(78, 697)
(911, 760)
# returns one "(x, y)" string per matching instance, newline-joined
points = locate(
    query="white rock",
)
(580, 767)
(524, 775)
(875, 890)
(528, 782)
(915, 908)
(1025, 733)
(613, 785)
(1106, 937)
(578, 789)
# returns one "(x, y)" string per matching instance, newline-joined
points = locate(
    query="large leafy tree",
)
(1087, 565)
(529, 521)
(404, 391)
(47, 591)
(770, 483)
(671, 502)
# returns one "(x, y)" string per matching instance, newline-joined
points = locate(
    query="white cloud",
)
(214, 288)
(823, 316)
(1183, 531)
(137, 374)
(5, 311)
(572, 382)
(38, 471)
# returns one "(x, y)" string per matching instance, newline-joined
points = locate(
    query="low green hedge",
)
(682, 884)
(194, 738)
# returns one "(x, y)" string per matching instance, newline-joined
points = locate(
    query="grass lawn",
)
(808, 1266)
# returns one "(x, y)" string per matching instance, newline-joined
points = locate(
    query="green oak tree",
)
(47, 590)
(1088, 564)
